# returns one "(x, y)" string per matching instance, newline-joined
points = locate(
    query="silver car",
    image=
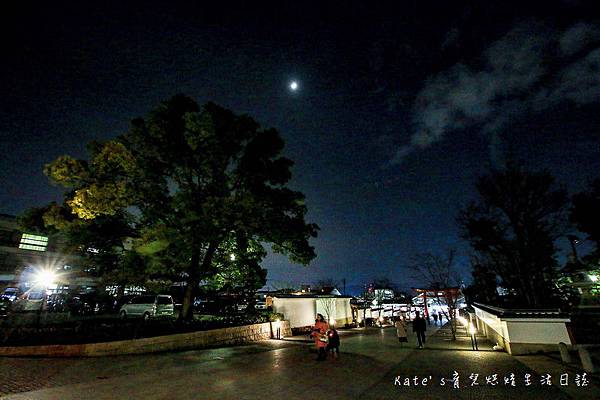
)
(148, 307)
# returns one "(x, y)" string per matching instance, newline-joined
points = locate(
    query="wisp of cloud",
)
(530, 69)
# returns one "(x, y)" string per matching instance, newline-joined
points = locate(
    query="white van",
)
(148, 307)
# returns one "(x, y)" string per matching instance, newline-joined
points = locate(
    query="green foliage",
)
(33, 219)
(273, 316)
(66, 171)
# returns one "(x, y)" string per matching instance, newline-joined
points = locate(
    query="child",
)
(334, 343)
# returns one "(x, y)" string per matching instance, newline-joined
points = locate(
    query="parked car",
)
(148, 307)
(11, 293)
(120, 301)
(58, 302)
(4, 307)
(104, 303)
(81, 304)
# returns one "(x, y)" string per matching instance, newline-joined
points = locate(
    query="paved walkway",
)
(371, 366)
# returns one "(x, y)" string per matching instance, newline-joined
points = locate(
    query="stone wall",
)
(183, 341)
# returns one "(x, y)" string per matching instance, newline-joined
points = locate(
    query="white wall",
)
(299, 311)
(324, 303)
(541, 331)
(343, 311)
(526, 330)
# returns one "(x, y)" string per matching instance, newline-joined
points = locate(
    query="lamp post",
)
(473, 332)
(573, 240)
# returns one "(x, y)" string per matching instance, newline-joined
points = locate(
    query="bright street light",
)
(45, 278)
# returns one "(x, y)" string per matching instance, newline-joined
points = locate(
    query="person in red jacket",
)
(319, 334)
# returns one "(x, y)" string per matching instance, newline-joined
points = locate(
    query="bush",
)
(273, 316)
(104, 329)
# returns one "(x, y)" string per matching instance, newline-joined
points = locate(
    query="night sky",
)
(400, 105)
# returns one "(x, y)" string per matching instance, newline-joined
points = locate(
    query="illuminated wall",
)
(301, 311)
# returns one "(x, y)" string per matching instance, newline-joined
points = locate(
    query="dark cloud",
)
(530, 69)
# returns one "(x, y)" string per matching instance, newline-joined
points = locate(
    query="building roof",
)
(522, 313)
(308, 296)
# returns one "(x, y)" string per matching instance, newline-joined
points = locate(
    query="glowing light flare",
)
(472, 329)
(593, 278)
(294, 86)
(45, 278)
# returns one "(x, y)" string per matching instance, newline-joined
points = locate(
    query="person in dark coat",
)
(435, 318)
(334, 342)
(419, 327)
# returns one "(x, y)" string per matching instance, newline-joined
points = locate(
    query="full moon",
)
(294, 86)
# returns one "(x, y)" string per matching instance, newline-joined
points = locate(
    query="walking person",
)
(419, 327)
(334, 343)
(319, 334)
(440, 317)
(401, 330)
(435, 318)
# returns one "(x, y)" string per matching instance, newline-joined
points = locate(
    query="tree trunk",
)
(191, 289)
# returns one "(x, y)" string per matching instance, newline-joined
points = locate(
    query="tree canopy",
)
(512, 229)
(200, 189)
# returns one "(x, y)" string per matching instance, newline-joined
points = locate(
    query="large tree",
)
(585, 215)
(513, 227)
(203, 188)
